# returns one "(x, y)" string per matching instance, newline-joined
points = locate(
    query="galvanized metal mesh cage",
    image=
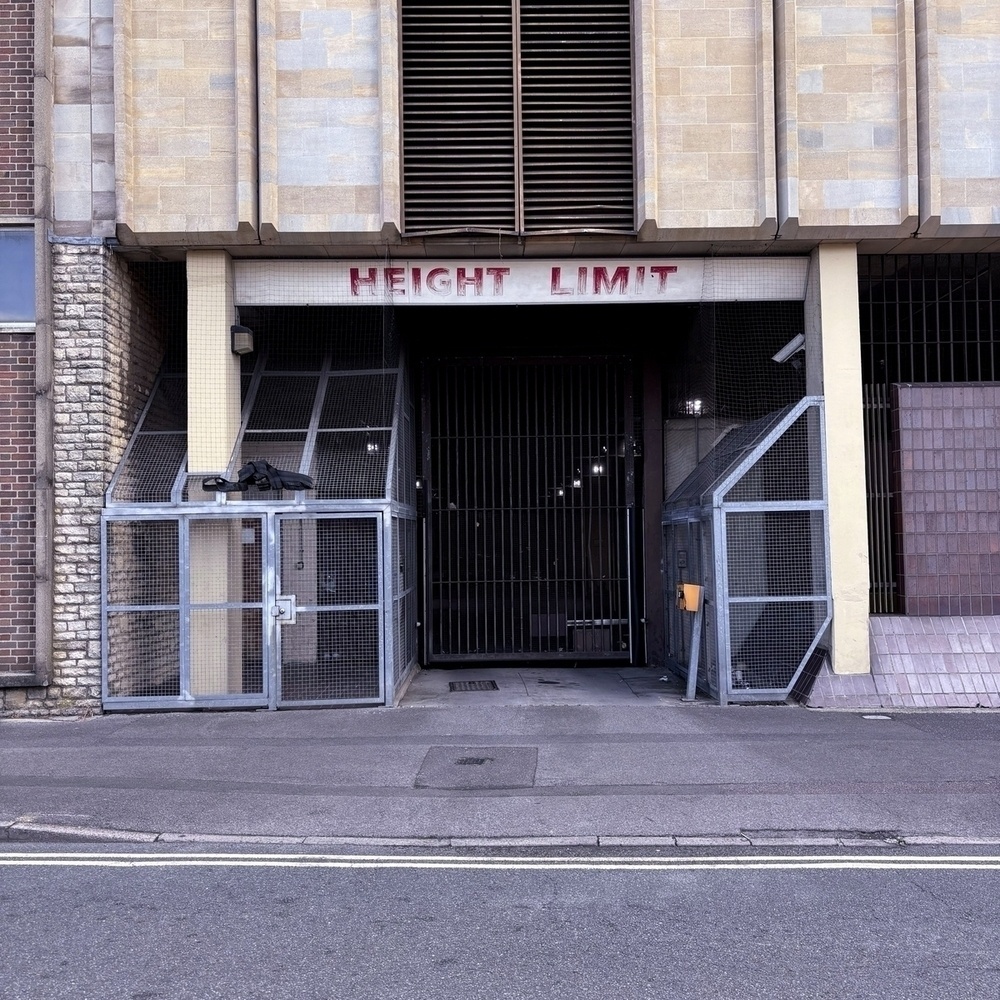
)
(271, 597)
(749, 525)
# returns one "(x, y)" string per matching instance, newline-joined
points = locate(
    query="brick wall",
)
(17, 503)
(16, 117)
(946, 450)
(110, 328)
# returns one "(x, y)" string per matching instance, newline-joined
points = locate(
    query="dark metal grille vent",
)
(472, 686)
(458, 116)
(487, 148)
(576, 107)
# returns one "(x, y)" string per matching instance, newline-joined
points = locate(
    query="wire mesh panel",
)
(351, 464)
(190, 596)
(769, 642)
(283, 402)
(143, 563)
(225, 616)
(777, 577)
(330, 567)
(143, 658)
(791, 469)
(529, 470)
(226, 652)
(149, 471)
(142, 628)
(356, 401)
(150, 466)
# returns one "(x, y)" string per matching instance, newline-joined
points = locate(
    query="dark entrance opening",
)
(529, 473)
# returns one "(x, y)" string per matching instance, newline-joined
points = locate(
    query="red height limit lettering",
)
(441, 281)
(596, 280)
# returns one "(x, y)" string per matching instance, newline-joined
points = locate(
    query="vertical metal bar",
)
(322, 387)
(691, 689)
(105, 588)
(824, 472)
(883, 541)
(396, 444)
(386, 646)
(270, 588)
(548, 606)
(492, 513)
(538, 598)
(184, 586)
(724, 649)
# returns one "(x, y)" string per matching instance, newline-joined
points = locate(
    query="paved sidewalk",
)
(457, 771)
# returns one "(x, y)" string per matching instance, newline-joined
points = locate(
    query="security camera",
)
(797, 343)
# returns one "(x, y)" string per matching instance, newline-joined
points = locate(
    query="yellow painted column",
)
(216, 651)
(213, 370)
(833, 363)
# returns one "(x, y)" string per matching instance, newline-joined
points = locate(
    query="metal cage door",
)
(327, 609)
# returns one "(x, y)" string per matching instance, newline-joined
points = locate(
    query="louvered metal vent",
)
(576, 107)
(487, 149)
(458, 116)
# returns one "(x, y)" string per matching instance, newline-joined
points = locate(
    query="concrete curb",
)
(31, 832)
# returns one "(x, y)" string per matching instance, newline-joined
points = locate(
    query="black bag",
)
(261, 474)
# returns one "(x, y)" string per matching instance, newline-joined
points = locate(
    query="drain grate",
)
(479, 761)
(472, 686)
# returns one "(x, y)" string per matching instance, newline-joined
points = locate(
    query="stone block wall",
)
(185, 117)
(959, 102)
(82, 123)
(847, 141)
(17, 503)
(712, 72)
(16, 108)
(110, 330)
(832, 119)
(320, 88)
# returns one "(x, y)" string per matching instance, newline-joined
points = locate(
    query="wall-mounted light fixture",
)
(241, 339)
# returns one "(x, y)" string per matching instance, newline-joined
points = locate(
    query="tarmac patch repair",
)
(475, 768)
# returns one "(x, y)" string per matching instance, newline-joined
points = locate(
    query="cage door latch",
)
(284, 609)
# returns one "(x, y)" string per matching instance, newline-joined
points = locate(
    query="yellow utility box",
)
(689, 596)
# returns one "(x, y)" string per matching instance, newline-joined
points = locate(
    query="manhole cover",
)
(472, 686)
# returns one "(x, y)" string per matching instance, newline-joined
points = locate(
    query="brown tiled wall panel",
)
(946, 452)
(920, 662)
(17, 502)
(16, 117)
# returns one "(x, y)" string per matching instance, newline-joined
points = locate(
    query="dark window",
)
(17, 276)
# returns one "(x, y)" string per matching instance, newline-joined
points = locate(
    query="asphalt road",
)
(154, 924)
